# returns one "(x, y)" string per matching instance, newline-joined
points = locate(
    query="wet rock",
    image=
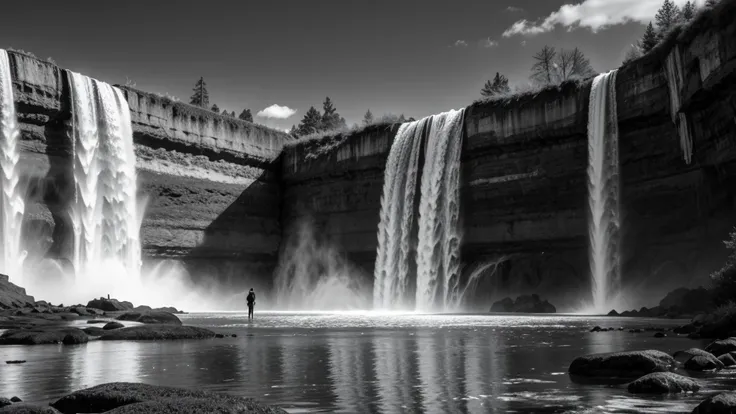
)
(234, 336)
(703, 363)
(136, 398)
(503, 305)
(43, 335)
(109, 305)
(16, 361)
(683, 356)
(156, 333)
(152, 317)
(632, 364)
(524, 304)
(636, 330)
(112, 325)
(219, 336)
(659, 335)
(724, 403)
(663, 383)
(596, 329)
(4, 401)
(93, 331)
(721, 347)
(16, 399)
(96, 321)
(24, 408)
(727, 360)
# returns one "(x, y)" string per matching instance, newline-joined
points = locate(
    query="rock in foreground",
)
(151, 317)
(524, 304)
(632, 364)
(43, 335)
(23, 408)
(156, 333)
(663, 383)
(722, 347)
(724, 403)
(123, 397)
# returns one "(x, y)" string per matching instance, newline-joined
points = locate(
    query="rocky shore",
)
(124, 397)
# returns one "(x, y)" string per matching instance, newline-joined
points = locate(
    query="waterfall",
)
(104, 212)
(603, 188)
(11, 197)
(418, 258)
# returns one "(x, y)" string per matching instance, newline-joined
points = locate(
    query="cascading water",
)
(11, 197)
(105, 212)
(603, 191)
(434, 269)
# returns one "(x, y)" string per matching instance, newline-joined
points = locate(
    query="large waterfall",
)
(603, 191)
(11, 197)
(417, 265)
(105, 211)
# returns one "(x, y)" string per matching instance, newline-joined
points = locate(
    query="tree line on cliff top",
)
(552, 67)
(201, 98)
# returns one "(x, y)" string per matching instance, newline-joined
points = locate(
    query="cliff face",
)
(211, 183)
(524, 175)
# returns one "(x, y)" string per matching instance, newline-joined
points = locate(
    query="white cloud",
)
(488, 43)
(276, 111)
(512, 9)
(460, 43)
(523, 43)
(591, 14)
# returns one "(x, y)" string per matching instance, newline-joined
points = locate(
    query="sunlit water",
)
(367, 363)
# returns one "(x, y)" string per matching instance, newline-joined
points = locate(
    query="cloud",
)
(523, 43)
(460, 43)
(591, 14)
(512, 9)
(276, 111)
(488, 43)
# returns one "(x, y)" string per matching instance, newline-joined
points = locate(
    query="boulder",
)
(721, 347)
(152, 317)
(124, 397)
(683, 356)
(16, 399)
(724, 403)
(727, 360)
(93, 331)
(703, 363)
(663, 383)
(4, 402)
(109, 305)
(503, 305)
(156, 333)
(632, 364)
(43, 335)
(13, 296)
(23, 408)
(112, 325)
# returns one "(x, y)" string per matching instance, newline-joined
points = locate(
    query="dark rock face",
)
(40, 336)
(12, 296)
(727, 360)
(155, 317)
(125, 398)
(156, 333)
(724, 403)
(524, 304)
(663, 383)
(721, 347)
(683, 356)
(688, 301)
(621, 364)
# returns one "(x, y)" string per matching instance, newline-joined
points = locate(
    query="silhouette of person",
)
(251, 302)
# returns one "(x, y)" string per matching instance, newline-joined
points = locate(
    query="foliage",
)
(368, 118)
(215, 109)
(245, 115)
(724, 280)
(649, 40)
(667, 16)
(330, 118)
(200, 97)
(633, 53)
(543, 68)
(500, 85)
(552, 67)
(311, 123)
(688, 11)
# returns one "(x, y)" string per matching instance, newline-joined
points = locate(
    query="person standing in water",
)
(251, 302)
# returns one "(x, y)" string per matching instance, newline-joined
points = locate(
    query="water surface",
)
(367, 363)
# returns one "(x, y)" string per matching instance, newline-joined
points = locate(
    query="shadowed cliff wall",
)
(211, 182)
(524, 175)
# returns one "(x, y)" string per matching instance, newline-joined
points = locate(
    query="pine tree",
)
(543, 70)
(311, 122)
(225, 112)
(245, 115)
(649, 40)
(294, 132)
(330, 118)
(666, 17)
(499, 86)
(215, 109)
(368, 118)
(688, 11)
(201, 97)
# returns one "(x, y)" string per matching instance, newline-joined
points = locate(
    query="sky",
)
(278, 58)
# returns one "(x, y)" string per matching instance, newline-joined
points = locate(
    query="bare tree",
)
(543, 70)
(579, 65)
